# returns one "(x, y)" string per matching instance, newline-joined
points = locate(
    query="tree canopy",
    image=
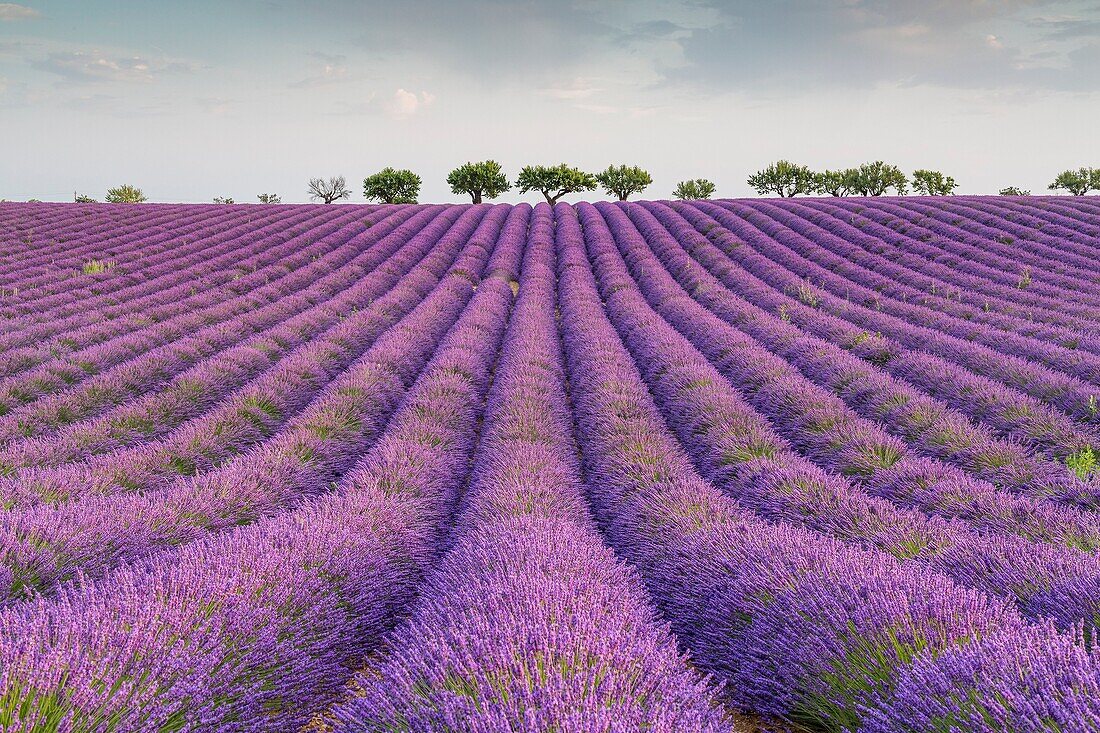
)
(1013, 191)
(783, 178)
(81, 198)
(479, 180)
(837, 183)
(1077, 182)
(334, 189)
(624, 181)
(270, 198)
(933, 183)
(392, 186)
(124, 194)
(554, 181)
(223, 199)
(694, 189)
(874, 179)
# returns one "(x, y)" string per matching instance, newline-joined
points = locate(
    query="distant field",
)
(832, 463)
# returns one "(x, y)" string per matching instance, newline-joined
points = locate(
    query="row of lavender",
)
(526, 620)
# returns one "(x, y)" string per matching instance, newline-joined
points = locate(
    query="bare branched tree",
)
(333, 189)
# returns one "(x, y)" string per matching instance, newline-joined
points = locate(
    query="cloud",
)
(94, 66)
(332, 69)
(405, 104)
(11, 11)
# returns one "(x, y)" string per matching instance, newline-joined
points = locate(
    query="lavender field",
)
(810, 464)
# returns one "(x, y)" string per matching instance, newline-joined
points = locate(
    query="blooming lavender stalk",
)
(529, 623)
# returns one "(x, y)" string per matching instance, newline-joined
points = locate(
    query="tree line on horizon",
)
(487, 180)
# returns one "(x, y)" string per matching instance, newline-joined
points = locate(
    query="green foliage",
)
(479, 180)
(873, 179)
(124, 194)
(94, 267)
(783, 178)
(82, 198)
(223, 199)
(554, 181)
(334, 189)
(836, 183)
(933, 183)
(270, 198)
(1083, 463)
(623, 181)
(1078, 182)
(694, 189)
(392, 186)
(1013, 191)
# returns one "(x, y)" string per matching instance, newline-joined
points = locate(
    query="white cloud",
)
(993, 42)
(405, 103)
(333, 69)
(88, 66)
(11, 11)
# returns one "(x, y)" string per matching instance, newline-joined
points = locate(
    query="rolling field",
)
(830, 464)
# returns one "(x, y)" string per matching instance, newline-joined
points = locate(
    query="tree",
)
(783, 178)
(124, 194)
(392, 186)
(694, 189)
(1078, 182)
(223, 200)
(270, 198)
(554, 181)
(81, 198)
(873, 179)
(484, 179)
(624, 181)
(334, 189)
(837, 183)
(1013, 191)
(933, 183)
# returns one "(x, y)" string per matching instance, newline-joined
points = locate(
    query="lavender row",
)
(782, 269)
(270, 618)
(915, 256)
(45, 545)
(800, 626)
(736, 448)
(154, 255)
(1006, 411)
(800, 385)
(529, 623)
(95, 237)
(206, 284)
(272, 401)
(57, 394)
(306, 315)
(979, 307)
(1083, 365)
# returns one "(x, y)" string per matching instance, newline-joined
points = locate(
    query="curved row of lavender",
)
(614, 467)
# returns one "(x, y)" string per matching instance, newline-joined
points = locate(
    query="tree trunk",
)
(622, 196)
(476, 196)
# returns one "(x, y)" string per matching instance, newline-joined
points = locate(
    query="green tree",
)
(223, 199)
(873, 179)
(1013, 191)
(623, 181)
(392, 186)
(836, 183)
(270, 198)
(1078, 182)
(783, 178)
(124, 194)
(933, 183)
(82, 198)
(554, 181)
(694, 189)
(479, 180)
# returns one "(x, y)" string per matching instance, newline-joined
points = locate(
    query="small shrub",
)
(94, 267)
(1083, 463)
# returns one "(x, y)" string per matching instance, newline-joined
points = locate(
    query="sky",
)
(191, 100)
